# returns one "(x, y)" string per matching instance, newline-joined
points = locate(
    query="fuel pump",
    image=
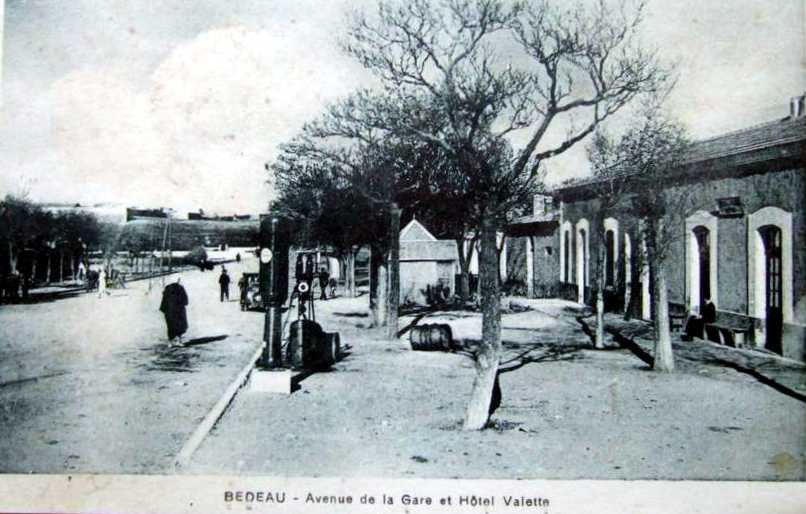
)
(273, 255)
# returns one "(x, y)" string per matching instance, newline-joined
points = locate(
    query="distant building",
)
(133, 213)
(425, 261)
(197, 216)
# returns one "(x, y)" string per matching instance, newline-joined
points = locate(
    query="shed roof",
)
(415, 231)
(745, 141)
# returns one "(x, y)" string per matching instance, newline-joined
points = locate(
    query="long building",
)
(741, 245)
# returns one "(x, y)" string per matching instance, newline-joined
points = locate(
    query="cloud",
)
(197, 134)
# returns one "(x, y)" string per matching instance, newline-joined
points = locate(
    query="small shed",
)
(425, 261)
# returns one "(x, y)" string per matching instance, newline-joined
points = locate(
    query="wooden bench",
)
(729, 330)
(677, 317)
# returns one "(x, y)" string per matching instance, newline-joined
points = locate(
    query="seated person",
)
(696, 325)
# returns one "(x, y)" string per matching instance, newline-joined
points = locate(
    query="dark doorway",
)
(703, 237)
(567, 257)
(583, 272)
(773, 284)
(610, 254)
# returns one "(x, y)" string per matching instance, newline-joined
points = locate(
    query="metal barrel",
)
(435, 337)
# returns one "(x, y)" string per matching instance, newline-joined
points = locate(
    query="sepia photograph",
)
(403, 239)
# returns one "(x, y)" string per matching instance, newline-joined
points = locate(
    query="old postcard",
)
(403, 256)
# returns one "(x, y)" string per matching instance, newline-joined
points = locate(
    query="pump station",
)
(308, 346)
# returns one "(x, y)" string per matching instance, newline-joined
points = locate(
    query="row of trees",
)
(632, 172)
(436, 135)
(47, 245)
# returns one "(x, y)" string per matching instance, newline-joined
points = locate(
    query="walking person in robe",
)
(174, 302)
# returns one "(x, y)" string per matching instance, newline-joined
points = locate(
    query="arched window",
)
(566, 252)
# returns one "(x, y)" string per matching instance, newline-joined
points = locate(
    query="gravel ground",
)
(567, 412)
(90, 385)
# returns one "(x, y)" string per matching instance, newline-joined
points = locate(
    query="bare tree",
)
(642, 163)
(439, 57)
(611, 188)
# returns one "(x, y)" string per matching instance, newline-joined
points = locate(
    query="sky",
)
(180, 104)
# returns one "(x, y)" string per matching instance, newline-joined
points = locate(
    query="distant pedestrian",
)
(102, 283)
(223, 282)
(243, 286)
(174, 301)
(81, 271)
(26, 285)
(238, 257)
(324, 278)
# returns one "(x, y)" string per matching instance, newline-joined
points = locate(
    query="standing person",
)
(243, 285)
(174, 301)
(323, 281)
(223, 282)
(102, 283)
(26, 285)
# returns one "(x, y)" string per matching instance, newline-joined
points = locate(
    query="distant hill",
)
(147, 234)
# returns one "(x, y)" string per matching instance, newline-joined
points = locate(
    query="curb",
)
(209, 421)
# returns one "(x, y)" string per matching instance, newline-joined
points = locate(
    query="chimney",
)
(539, 205)
(797, 106)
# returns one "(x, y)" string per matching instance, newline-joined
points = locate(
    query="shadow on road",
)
(204, 340)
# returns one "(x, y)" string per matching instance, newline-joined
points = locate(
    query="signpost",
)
(274, 242)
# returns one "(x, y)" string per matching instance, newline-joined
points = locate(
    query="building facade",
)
(741, 244)
(425, 262)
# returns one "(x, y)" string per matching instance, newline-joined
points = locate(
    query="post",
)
(274, 288)
(393, 291)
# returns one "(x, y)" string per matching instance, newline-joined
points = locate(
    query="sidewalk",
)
(785, 375)
(567, 412)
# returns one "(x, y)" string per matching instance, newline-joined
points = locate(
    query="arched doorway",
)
(769, 271)
(702, 267)
(612, 255)
(582, 253)
(773, 286)
(701, 260)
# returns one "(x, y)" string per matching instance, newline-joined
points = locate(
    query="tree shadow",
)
(352, 314)
(43, 298)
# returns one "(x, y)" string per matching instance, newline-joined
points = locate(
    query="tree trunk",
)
(664, 358)
(599, 283)
(383, 292)
(393, 296)
(352, 290)
(489, 351)
(48, 269)
(465, 257)
(61, 265)
(12, 259)
(599, 337)
(375, 261)
(464, 284)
